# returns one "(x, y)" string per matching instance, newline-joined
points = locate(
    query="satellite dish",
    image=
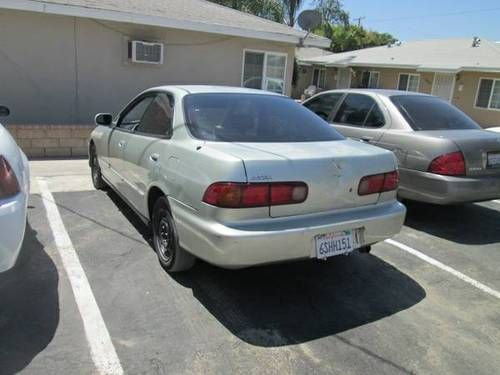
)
(310, 20)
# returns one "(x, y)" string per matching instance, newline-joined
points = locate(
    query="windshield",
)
(431, 113)
(229, 117)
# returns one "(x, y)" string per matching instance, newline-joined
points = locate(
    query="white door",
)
(344, 78)
(443, 85)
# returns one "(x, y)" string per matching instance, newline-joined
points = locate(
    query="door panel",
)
(115, 148)
(142, 159)
(148, 147)
(366, 135)
(118, 144)
(359, 117)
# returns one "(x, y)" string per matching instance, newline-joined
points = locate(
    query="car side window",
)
(133, 117)
(158, 117)
(323, 105)
(375, 118)
(359, 110)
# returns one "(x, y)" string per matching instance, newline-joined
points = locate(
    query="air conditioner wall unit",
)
(145, 52)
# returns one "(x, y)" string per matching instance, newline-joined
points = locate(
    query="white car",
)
(496, 129)
(14, 192)
(241, 177)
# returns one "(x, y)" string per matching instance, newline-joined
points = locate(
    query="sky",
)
(427, 19)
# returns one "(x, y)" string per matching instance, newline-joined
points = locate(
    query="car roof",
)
(207, 89)
(381, 92)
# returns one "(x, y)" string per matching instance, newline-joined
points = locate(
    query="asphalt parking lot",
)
(428, 303)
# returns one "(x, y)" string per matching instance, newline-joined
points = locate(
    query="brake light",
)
(452, 164)
(9, 186)
(239, 195)
(391, 181)
(379, 183)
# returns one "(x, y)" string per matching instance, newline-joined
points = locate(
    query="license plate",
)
(332, 244)
(494, 159)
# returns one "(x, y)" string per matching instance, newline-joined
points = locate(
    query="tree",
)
(345, 36)
(269, 9)
(336, 25)
(332, 12)
(353, 37)
(290, 10)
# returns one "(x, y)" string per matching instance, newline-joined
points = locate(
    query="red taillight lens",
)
(379, 183)
(237, 195)
(9, 186)
(391, 181)
(288, 193)
(255, 195)
(449, 164)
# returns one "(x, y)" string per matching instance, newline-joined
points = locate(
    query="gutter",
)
(117, 16)
(418, 68)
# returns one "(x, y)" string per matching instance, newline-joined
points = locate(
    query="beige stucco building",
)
(63, 61)
(465, 72)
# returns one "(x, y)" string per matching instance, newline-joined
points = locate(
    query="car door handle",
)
(154, 157)
(366, 139)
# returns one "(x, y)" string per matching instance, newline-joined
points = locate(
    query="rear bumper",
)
(432, 188)
(277, 240)
(12, 228)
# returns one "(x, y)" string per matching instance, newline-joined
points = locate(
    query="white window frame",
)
(408, 84)
(319, 77)
(264, 72)
(491, 94)
(370, 77)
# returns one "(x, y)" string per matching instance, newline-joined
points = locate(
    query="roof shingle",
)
(451, 55)
(197, 15)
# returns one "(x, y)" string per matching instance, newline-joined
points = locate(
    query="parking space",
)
(387, 312)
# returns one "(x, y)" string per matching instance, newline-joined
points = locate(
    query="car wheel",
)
(95, 170)
(166, 241)
(365, 250)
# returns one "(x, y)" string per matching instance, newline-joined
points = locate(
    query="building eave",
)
(419, 68)
(158, 21)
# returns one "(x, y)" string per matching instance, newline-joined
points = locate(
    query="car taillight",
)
(9, 186)
(240, 195)
(379, 183)
(452, 164)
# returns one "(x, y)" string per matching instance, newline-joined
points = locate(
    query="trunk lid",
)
(476, 145)
(331, 170)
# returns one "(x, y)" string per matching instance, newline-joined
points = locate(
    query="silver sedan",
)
(14, 192)
(444, 156)
(240, 177)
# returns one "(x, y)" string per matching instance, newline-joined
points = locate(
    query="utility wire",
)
(448, 14)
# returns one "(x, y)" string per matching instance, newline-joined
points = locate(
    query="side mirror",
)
(4, 111)
(104, 119)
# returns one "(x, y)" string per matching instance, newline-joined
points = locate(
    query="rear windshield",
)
(431, 113)
(254, 118)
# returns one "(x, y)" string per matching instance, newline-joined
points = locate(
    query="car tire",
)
(166, 240)
(365, 250)
(95, 170)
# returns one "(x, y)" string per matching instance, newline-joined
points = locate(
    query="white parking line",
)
(446, 268)
(101, 347)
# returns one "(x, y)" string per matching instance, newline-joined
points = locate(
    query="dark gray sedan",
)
(444, 156)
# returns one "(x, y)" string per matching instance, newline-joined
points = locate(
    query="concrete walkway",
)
(62, 175)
